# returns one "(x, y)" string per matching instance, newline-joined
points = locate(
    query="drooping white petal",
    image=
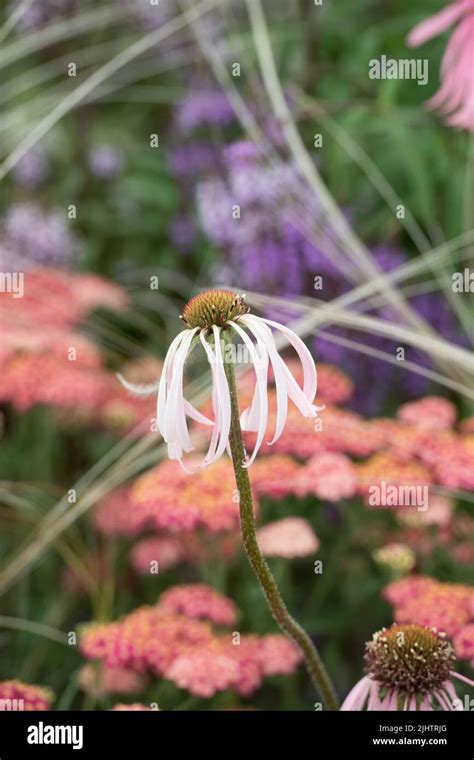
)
(302, 398)
(298, 397)
(257, 415)
(165, 380)
(310, 379)
(220, 399)
(250, 419)
(138, 390)
(195, 414)
(261, 330)
(215, 403)
(175, 425)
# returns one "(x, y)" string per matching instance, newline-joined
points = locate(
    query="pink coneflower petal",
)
(357, 697)
(455, 701)
(438, 23)
(465, 679)
(455, 97)
(443, 701)
(425, 705)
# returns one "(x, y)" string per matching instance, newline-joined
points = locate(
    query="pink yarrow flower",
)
(196, 600)
(16, 695)
(432, 412)
(409, 667)
(455, 98)
(290, 537)
(210, 318)
(330, 476)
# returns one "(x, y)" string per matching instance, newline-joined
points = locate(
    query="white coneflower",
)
(409, 667)
(211, 318)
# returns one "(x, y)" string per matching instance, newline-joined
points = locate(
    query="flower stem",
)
(258, 563)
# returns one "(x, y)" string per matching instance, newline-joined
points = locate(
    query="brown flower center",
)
(213, 307)
(411, 658)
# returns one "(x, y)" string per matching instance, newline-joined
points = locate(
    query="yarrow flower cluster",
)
(45, 360)
(164, 552)
(289, 538)
(409, 667)
(189, 651)
(330, 476)
(448, 607)
(55, 298)
(196, 600)
(432, 412)
(16, 695)
(166, 498)
(110, 680)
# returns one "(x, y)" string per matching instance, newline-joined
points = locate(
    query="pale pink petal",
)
(260, 364)
(299, 398)
(456, 703)
(195, 414)
(425, 705)
(460, 677)
(215, 404)
(310, 381)
(223, 394)
(356, 698)
(138, 390)
(374, 701)
(279, 374)
(438, 23)
(166, 379)
(175, 427)
(221, 400)
(443, 701)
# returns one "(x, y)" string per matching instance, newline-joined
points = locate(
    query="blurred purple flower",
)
(203, 108)
(32, 169)
(38, 237)
(192, 159)
(242, 152)
(266, 248)
(183, 232)
(40, 12)
(105, 161)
